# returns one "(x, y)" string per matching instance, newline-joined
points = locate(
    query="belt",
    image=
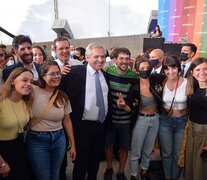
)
(148, 115)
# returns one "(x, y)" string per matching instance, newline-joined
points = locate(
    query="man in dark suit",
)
(188, 51)
(156, 57)
(81, 87)
(23, 49)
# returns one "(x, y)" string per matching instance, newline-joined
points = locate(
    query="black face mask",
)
(144, 74)
(183, 56)
(76, 57)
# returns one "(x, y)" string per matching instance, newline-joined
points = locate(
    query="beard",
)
(26, 58)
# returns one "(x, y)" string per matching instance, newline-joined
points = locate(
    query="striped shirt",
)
(120, 84)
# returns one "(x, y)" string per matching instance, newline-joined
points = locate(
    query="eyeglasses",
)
(54, 74)
(2, 54)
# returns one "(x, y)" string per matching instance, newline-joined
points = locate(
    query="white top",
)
(91, 109)
(180, 97)
(71, 62)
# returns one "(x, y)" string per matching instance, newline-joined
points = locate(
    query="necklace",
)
(173, 85)
(20, 128)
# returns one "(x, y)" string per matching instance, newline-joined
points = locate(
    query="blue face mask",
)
(154, 62)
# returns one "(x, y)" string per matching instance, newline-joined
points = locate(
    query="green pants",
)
(196, 167)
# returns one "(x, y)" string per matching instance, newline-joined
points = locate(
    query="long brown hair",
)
(42, 50)
(192, 84)
(61, 98)
(8, 88)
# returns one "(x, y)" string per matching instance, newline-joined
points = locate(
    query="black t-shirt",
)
(198, 106)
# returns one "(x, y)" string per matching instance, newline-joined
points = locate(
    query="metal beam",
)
(6, 32)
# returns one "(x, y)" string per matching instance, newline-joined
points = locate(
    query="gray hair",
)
(93, 46)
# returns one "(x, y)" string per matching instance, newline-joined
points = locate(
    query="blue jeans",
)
(143, 139)
(45, 152)
(171, 133)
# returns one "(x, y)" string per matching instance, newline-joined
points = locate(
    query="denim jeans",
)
(45, 152)
(171, 133)
(143, 139)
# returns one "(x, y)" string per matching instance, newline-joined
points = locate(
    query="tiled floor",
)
(102, 168)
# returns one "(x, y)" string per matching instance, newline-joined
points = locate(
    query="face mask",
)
(183, 56)
(53, 54)
(154, 62)
(72, 53)
(76, 57)
(144, 74)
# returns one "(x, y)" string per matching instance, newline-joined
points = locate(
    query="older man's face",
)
(97, 58)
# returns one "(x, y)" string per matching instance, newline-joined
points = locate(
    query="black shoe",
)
(121, 176)
(133, 178)
(108, 174)
(144, 174)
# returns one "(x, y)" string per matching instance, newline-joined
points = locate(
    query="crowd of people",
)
(76, 102)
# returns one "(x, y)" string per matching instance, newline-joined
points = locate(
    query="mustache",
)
(25, 55)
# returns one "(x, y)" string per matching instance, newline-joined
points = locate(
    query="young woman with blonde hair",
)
(15, 106)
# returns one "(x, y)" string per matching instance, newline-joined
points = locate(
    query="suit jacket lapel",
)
(84, 74)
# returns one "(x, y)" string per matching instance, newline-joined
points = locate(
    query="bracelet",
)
(4, 164)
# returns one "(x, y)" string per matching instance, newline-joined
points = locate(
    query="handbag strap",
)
(174, 95)
(46, 110)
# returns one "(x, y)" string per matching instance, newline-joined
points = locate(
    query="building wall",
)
(134, 42)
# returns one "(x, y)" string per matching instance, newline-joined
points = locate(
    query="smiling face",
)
(24, 53)
(23, 83)
(37, 55)
(97, 58)
(62, 50)
(200, 72)
(122, 62)
(52, 77)
(171, 72)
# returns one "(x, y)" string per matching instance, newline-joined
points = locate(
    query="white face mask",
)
(72, 53)
(10, 62)
(53, 54)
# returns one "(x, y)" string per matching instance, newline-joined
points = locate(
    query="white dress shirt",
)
(158, 70)
(187, 65)
(71, 62)
(91, 109)
(35, 73)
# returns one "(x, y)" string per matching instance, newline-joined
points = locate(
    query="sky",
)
(86, 18)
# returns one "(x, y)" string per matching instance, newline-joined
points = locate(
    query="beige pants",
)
(196, 167)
